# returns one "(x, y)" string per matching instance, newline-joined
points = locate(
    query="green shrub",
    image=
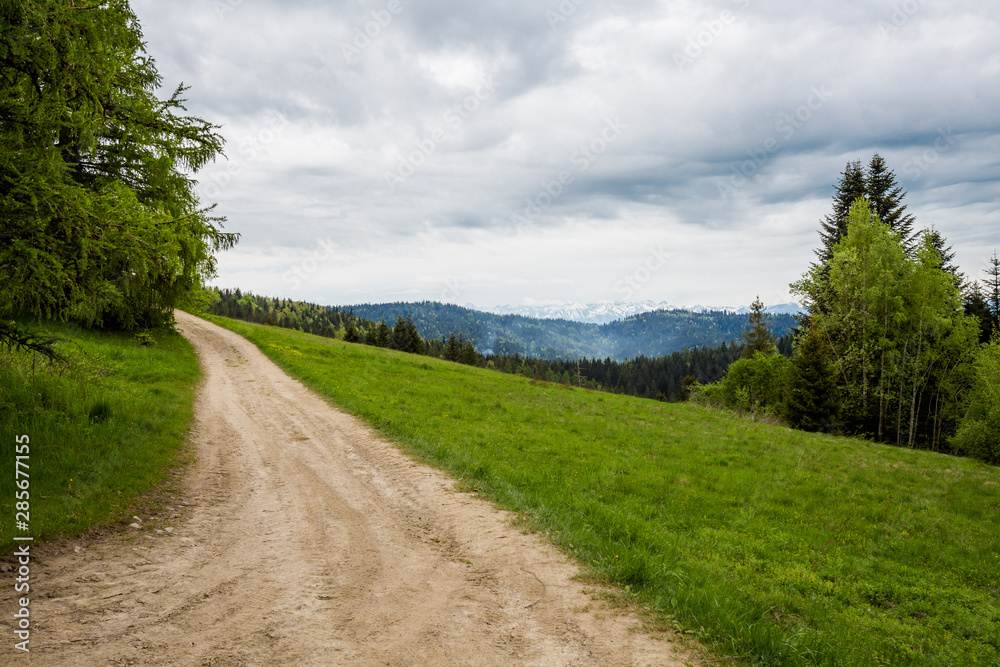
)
(754, 384)
(979, 433)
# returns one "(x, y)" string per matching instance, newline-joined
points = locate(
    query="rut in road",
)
(301, 537)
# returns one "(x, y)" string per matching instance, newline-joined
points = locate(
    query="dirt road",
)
(301, 538)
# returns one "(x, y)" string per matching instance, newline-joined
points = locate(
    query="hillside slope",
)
(652, 334)
(778, 546)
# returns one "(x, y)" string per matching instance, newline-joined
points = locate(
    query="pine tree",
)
(878, 184)
(947, 254)
(811, 400)
(834, 227)
(351, 335)
(757, 336)
(992, 289)
(400, 336)
(887, 199)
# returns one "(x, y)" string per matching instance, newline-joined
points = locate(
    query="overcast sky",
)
(585, 150)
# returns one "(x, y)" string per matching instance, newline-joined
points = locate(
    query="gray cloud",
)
(423, 145)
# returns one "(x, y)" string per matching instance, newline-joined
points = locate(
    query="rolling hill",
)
(651, 334)
(770, 545)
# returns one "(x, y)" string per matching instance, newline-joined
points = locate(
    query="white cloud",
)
(312, 134)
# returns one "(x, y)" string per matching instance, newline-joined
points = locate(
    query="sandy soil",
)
(302, 538)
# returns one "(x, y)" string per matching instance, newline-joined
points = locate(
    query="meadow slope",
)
(777, 546)
(104, 429)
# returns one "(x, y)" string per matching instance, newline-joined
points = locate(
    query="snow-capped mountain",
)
(602, 313)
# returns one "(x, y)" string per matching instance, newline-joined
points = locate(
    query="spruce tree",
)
(886, 197)
(976, 306)
(415, 343)
(834, 227)
(878, 184)
(351, 335)
(947, 254)
(400, 336)
(992, 287)
(453, 351)
(469, 355)
(811, 398)
(757, 336)
(383, 337)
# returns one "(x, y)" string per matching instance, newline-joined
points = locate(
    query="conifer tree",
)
(351, 335)
(400, 336)
(757, 336)
(453, 351)
(834, 227)
(415, 343)
(976, 306)
(947, 254)
(992, 289)
(878, 184)
(811, 400)
(469, 355)
(886, 197)
(383, 337)
(99, 215)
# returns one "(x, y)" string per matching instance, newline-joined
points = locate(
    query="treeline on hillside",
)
(893, 347)
(308, 317)
(652, 334)
(645, 377)
(666, 378)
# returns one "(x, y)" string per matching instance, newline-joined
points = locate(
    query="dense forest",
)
(666, 378)
(897, 346)
(647, 377)
(651, 334)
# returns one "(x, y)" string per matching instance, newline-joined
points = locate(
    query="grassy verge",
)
(776, 546)
(104, 430)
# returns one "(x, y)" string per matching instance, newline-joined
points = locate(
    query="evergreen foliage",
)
(992, 290)
(886, 198)
(651, 334)
(98, 211)
(982, 300)
(877, 183)
(833, 227)
(757, 336)
(900, 343)
(811, 400)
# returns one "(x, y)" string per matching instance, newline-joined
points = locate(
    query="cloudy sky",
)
(524, 152)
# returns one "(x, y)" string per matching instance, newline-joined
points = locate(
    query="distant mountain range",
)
(651, 334)
(603, 313)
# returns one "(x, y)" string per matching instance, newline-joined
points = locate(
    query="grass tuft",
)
(104, 429)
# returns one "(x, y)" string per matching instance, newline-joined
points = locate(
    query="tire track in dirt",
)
(302, 538)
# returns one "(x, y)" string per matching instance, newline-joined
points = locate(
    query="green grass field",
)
(104, 430)
(777, 546)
